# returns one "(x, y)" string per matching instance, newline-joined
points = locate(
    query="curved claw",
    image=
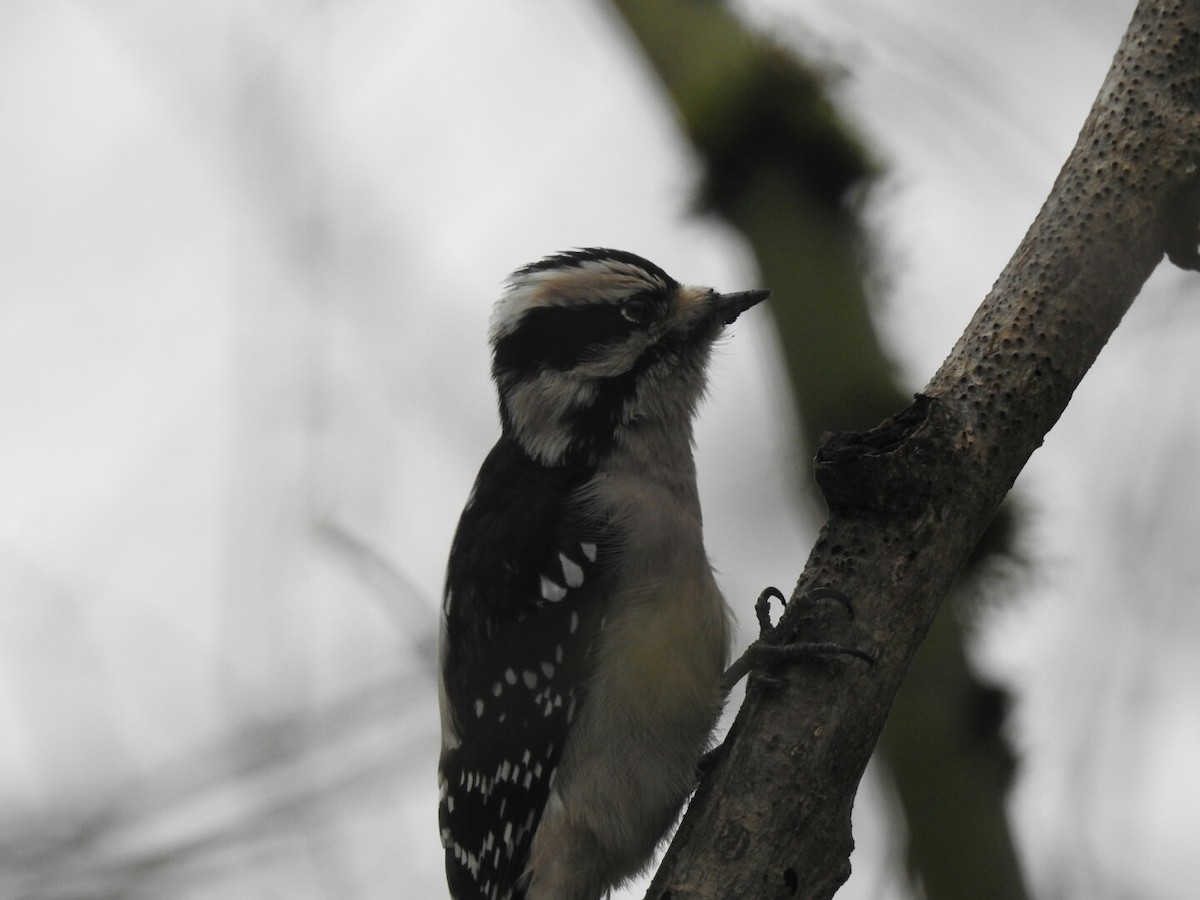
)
(782, 632)
(775, 643)
(762, 609)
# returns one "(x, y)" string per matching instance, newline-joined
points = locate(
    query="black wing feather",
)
(525, 570)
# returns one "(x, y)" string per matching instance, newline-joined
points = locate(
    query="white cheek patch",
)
(538, 407)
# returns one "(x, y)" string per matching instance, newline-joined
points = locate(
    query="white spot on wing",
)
(572, 571)
(589, 550)
(551, 591)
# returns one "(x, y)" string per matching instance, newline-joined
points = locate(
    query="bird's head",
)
(590, 343)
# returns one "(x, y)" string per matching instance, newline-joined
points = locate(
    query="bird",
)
(582, 636)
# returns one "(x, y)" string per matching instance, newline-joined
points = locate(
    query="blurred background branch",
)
(228, 808)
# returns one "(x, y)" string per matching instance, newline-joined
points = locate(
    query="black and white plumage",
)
(583, 637)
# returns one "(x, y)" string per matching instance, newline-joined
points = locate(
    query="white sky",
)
(247, 254)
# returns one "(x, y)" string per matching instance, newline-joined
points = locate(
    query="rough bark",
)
(909, 499)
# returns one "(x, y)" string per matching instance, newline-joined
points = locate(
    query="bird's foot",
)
(775, 643)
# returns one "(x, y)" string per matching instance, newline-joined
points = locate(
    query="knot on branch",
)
(884, 470)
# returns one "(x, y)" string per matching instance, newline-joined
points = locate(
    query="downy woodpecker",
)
(583, 638)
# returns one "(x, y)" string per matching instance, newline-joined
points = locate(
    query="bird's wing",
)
(526, 577)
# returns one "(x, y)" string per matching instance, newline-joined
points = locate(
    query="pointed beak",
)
(727, 307)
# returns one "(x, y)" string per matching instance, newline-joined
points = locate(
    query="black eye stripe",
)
(560, 337)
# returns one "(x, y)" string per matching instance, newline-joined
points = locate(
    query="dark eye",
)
(639, 310)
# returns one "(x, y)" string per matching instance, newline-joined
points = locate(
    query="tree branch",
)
(909, 499)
